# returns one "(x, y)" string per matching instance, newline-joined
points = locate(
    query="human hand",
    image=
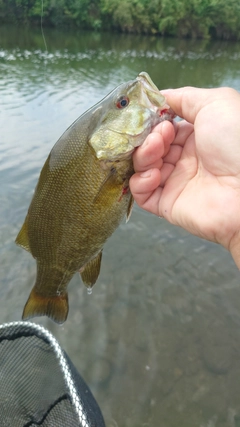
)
(189, 172)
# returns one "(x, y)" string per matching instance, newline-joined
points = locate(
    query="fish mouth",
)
(150, 91)
(155, 98)
(146, 79)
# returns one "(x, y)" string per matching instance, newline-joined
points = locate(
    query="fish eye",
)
(122, 102)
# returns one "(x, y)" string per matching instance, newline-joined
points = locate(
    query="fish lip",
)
(147, 81)
(155, 97)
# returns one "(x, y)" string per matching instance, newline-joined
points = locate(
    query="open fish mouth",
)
(151, 92)
(146, 80)
(158, 102)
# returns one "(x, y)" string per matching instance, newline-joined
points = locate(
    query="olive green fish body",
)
(82, 194)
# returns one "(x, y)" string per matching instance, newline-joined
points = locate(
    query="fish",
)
(83, 192)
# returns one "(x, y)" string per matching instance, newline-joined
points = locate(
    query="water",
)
(158, 341)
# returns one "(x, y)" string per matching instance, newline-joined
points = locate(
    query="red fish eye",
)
(122, 102)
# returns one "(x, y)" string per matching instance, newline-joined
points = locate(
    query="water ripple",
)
(37, 56)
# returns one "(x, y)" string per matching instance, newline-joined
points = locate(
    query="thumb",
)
(186, 102)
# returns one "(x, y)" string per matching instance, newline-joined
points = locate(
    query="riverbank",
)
(178, 18)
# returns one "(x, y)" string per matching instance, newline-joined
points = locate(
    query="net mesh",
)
(39, 385)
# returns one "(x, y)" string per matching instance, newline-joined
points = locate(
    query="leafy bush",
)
(179, 18)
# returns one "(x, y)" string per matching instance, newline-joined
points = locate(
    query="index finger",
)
(149, 155)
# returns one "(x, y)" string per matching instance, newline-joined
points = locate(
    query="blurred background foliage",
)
(177, 18)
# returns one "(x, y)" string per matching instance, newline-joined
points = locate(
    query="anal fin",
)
(90, 271)
(22, 237)
(55, 307)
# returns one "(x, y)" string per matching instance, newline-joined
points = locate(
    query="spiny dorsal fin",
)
(22, 237)
(90, 271)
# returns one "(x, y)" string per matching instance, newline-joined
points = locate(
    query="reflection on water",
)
(158, 340)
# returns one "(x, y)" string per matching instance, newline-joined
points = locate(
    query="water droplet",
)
(89, 291)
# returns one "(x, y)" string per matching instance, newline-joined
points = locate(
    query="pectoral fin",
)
(130, 208)
(22, 237)
(90, 271)
(105, 188)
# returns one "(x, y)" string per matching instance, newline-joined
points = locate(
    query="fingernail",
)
(146, 174)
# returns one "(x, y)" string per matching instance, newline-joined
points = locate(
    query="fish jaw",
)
(150, 96)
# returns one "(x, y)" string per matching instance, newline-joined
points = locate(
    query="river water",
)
(158, 341)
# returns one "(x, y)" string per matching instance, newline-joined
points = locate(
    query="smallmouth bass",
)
(83, 192)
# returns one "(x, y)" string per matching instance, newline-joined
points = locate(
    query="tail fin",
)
(55, 307)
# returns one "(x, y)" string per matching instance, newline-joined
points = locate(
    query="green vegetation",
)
(179, 18)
